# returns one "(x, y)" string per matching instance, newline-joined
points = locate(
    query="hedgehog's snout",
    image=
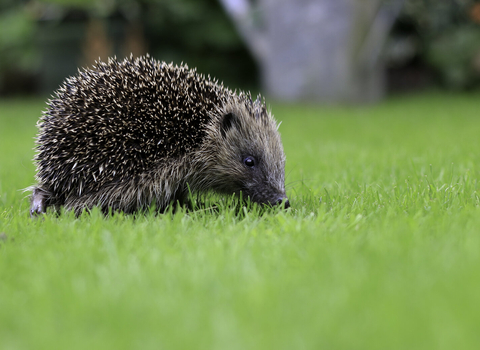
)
(270, 198)
(283, 201)
(280, 201)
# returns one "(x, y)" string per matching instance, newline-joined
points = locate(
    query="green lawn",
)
(381, 249)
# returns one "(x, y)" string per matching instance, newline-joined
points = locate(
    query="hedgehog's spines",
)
(100, 86)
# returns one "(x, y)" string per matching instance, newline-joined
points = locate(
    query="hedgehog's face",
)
(248, 154)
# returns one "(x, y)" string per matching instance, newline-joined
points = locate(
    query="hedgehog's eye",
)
(249, 161)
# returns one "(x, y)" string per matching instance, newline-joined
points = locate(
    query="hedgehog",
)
(127, 135)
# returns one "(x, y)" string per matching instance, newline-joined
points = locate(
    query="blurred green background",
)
(42, 42)
(431, 43)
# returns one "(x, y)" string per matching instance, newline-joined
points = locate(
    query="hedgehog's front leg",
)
(37, 201)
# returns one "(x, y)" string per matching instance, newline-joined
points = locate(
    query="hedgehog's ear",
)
(229, 120)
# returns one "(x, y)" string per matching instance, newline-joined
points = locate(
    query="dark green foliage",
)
(201, 32)
(449, 31)
(35, 34)
(18, 59)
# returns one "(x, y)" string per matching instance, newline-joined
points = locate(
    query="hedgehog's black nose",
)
(283, 201)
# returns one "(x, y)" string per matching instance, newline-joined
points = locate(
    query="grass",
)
(381, 249)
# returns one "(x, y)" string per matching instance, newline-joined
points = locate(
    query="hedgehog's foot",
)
(38, 202)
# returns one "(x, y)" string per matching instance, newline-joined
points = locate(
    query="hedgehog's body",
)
(128, 134)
